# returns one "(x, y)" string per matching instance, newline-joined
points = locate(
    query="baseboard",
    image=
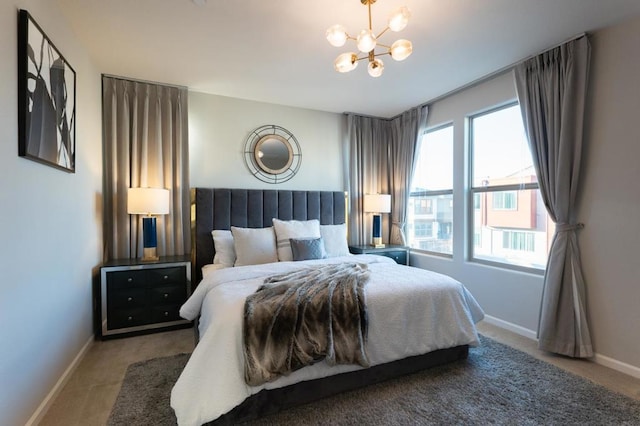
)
(614, 364)
(37, 416)
(511, 327)
(628, 369)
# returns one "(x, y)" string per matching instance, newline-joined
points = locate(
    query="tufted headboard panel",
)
(220, 208)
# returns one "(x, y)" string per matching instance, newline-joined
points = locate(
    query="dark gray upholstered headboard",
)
(254, 208)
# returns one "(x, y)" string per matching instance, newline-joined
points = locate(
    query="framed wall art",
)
(46, 99)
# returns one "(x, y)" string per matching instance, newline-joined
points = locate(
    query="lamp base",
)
(150, 254)
(377, 242)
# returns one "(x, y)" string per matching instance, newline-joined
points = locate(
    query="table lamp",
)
(148, 202)
(377, 203)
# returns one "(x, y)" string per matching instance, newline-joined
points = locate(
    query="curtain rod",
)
(479, 80)
(137, 80)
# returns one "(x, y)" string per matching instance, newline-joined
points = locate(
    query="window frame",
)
(439, 192)
(474, 190)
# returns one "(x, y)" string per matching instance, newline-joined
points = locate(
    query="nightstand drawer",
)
(165, 313)
(399, 256)
(162, 276)
(122, 318)
(127, 279)
(127, 298)
(396, 252)
(173, 294)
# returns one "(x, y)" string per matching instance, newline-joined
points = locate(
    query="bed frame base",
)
(271, 401)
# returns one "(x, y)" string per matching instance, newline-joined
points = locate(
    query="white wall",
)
(219, 127)
(608, 205)
(50, 228)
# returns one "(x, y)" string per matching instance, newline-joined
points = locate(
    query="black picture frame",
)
(46, 99)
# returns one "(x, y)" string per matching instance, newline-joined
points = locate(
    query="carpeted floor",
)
(496, 385)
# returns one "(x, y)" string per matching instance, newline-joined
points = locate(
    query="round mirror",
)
(272, 154)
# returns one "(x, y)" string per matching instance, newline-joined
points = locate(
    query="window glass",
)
(510, 223)
(501, 153)
(430, 209)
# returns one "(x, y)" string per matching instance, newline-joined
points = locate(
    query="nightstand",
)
(138, 297)
(398, 253)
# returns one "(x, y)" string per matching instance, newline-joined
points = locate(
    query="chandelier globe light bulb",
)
(401, 49)
(375, 68)
(366, 41)
(337, 35)
(346, 62)
(399, 19)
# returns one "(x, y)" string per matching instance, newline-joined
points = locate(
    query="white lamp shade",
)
(148, 201)
(377, 203)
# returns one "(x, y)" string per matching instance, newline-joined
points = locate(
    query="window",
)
(518, 240)
(507, 200)
(430, 210)
(510, 223)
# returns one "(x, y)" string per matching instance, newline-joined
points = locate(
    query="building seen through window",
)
(510, 222)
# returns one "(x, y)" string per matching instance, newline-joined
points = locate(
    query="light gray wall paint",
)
(219, 127)
(50, 229)
(504, 294)
(609, 203)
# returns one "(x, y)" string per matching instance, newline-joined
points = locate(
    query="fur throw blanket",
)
(304, 316)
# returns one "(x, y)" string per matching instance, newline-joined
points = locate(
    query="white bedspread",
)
(411, 311)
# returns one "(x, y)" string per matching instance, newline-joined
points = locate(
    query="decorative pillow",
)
(223, 244)
(286, 229)
(335, 240)
(254, 246)
(307, 248)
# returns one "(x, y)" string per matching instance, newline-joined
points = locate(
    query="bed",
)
(417, 318)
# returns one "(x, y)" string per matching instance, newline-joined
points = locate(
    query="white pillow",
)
(287, 229)
(254, 246)
(223, 244)
(335, 239)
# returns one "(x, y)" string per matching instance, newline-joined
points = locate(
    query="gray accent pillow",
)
(307, 248)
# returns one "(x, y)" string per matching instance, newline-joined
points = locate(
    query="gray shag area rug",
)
(496, 385)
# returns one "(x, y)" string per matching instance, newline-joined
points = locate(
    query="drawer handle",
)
(166, 314)
(166, 277)
(129, 280)
(130, 299)
(166, 295)
(129, 318)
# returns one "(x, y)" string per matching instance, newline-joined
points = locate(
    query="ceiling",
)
(275, 50)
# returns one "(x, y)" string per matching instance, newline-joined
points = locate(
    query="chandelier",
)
(367, 42)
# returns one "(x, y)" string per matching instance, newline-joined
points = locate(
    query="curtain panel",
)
(145, 144)
(368, 139)
(407, 130)
(382, 155)
(552, 88)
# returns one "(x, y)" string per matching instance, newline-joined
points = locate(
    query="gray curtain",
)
(368, 139)
(145, 143)
(406, 131)
(382, 155)
(552, 89)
